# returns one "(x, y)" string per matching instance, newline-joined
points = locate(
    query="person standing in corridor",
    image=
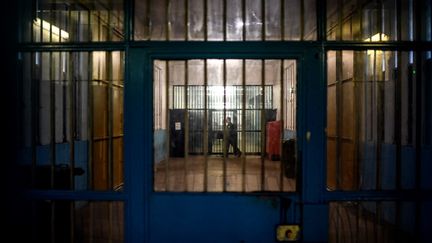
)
(231, 138)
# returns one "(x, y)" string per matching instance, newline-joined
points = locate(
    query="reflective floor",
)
(240, 174)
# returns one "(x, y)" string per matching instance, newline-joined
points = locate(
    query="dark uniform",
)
(232, 138)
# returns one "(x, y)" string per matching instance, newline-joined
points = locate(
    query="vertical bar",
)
(109, 76)
(225, 148)
(72, 120)
(375, 122)
(32, 27)
(52, 221)
(72, 221)
(338, 118)
(282, 21)
(263, 125)
(282, 126)
(225, 20)
(167, 14)
(377, 221)
(357, 124)
(418, 115)
(90, 120)
(129, 20)
(339, 31)
(51, 21)
(205, 21)
(186, 117)
(52, 120)
(357, 219)
(41, 24)
(72, 132)
(186, 21)
(108, 26)
(302, 21)
(243, 131)
(35, 96)
(380, 19)
(167, 120)
(398, 119)
(206, 124)
(263, 20)
(89, 34)
(110, 222)
(321, 23)
(244, 20)
(91, 221)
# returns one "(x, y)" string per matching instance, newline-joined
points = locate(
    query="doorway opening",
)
(225, 125)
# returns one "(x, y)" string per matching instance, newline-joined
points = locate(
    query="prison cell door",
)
(197, 194)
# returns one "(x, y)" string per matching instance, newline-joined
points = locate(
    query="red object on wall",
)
(273, 140)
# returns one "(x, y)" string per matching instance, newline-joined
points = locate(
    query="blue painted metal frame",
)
(146, 208)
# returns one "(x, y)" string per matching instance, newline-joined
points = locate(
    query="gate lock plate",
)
(287, 233)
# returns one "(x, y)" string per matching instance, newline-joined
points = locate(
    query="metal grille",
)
(374, 120)
(371, 221)
(198, 149)
(233, 96)
(72, 120)
(219, 20)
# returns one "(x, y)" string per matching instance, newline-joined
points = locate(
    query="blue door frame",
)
(223, 217)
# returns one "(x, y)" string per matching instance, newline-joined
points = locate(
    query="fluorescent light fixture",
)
(375, 38)
(50, 27)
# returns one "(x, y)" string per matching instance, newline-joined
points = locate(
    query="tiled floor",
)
(196, 174)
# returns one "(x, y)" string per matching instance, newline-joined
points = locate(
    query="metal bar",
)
(244, 20)
(263, 22)
(129, 21)
(89, 30)
(72, 119)
(418, 119)
(72, 220)
(167, 14)
(375, 122)
(224, 20)
(110, 222)
(52, 120)
(357, 219)
(35, 100)
(282, 19)
(263, 125)
(91, 221)
(398, 119)
(321, 9)
(338, 116)
(90, 111)
(51, 20)
(302, 21)
(148, 17)
(206, 125)
(186, 20)
(225, 147)
(205, 21)
(99, 26)
(108, 25)
(52, 222)
(167, 124)
(186, 127)
(357, 124)
(243, 131)
(339, 32)
(110, 117)
(282, 121)
(32, 28)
